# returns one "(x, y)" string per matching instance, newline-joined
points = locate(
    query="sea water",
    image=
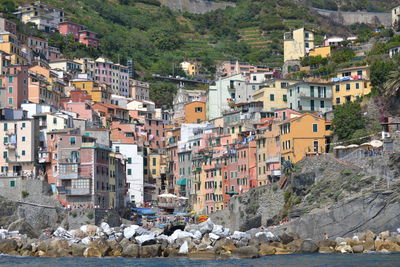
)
(324, 260)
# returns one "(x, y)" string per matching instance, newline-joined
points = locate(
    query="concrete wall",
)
(348, 18)
(195, 6)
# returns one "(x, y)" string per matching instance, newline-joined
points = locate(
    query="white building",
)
(222, 93)
(134, 170)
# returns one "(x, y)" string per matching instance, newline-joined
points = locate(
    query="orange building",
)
(195, 112)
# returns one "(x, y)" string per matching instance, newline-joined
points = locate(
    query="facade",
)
(322, 51)
(297, 44)
(8, 26)
(195, 112)
(190, 68)
(274, 94)
(15, 83)
(66, 65)
(313, 97)
(305, 135)
(134, 170)
(230, 68)
(396, 16)
(46, 17)
(351, 84)
(10, 44)
(70, 28)
(139, 90)
(88, 38)
(19, 144)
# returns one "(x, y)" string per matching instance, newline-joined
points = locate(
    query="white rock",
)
(240, 235)
(218, 229)
(163, 237)
(184, 249)
(106, 228)
(61, 232)
(213, 236)
(143, 238)
(86, 240)
(398, 230)
(197, 235)
(355, 238)
(130, 231)
(206, 227)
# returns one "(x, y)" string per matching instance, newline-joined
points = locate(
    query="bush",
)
(74, 214)
(346, 172)
(24, 194)
(275, 187)
(90, 215)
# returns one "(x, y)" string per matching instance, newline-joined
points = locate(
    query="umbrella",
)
(167, 195)
(339, 147)
(376, 143)
(366, 144)
(184, 198)
(352, 146)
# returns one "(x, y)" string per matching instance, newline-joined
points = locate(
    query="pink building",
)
(228, 68)
(70, 28)
(88, 38)
(15, 85)
(155, 133)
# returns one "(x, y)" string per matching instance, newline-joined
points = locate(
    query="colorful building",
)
(305, 135)
(274, 94)
(297, 44)
(310, 96)
(351, 84)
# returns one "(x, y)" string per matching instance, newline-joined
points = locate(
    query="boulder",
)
(213, 237)
(131, 250)
(358, 249)
(61, 232)
(326, 243)
(344, 249)
(369, 244)
(150, 251)
(23, 227)
(184, 249)
(142, 231)
(92, 252)
(8, 246)
(240, 235)
(386, 245)
(89, 229)
(308, 246)
(224, 245)
(145, 240)
(130, 231)
(105, 227)
(384, 235)
(77, 249)
(266, 249)
(285, 238)
(247, 252)
(77, 233)
(57, 243)
(266, 237)
(326, 250)
(368, 235)
(101, 245)
(206, 227)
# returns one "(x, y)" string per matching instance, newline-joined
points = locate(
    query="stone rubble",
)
(205, 241)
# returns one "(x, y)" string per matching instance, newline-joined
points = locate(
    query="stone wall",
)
(195, 6)
(251, 209)
(349, 18)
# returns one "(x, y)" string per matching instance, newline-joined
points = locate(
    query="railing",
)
(78, 191)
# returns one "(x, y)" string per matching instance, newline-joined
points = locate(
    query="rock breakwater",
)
(202, 241)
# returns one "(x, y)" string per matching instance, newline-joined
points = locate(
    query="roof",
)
(304, 82)
(299, 117)
(355, 68)
(108, 105)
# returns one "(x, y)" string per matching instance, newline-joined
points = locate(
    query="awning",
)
(144, 211)
(232, 193)
(181, 181)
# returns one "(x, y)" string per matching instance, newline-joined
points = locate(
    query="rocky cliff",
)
(195, 6)
(324, 195)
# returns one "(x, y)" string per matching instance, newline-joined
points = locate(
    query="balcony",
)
(307, 96)
(276, 173)
(11, 146)
(44, 157)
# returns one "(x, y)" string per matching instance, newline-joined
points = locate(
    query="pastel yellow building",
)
(302, 136)
(190, 68)
(395, 15)
(9, 44)
(351, 84)
(297, 44)
(274, 94)
(323, 51)
(99, 92)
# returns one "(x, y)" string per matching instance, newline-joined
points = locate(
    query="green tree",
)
(343, 54)
(348, 119)
(380, 68)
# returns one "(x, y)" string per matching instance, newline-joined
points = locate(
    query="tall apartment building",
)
(297, 44)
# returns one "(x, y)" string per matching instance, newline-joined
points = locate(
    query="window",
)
(312, 105)
(153, 171)
(322, 104)
(357, 86)
(337, 88)
(271, 97)
(285, 98)
(10, 79)
(359, 72)
(5, 154)
(312, 91)
(23, 125)
(72, 140)
(117, 149)
(23, 152)
(129, 171)
(54, 120)
(129, 160)
(12, 183)
(10, 100)
(198, 109)
(347, 86)
(338, 100)
(10, 90)
(154, 161)
(5, 126)
(315, 128)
